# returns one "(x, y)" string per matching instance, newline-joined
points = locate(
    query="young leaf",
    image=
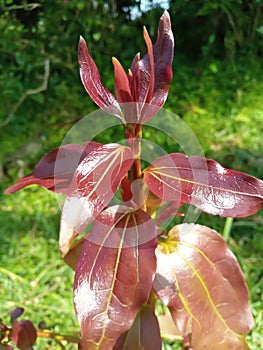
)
(163, 52)
(95, 182)
(195, 269)
(205, 184)
(143, 334)
(145, 89)
(55, 169)
(122, 86)
(90, 78)
(114, 275)
(17, 312)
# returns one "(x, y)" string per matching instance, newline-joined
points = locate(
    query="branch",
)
(26, 7)
(29, 92)
(45, 333)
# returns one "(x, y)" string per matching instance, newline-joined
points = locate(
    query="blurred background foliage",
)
(217, 89)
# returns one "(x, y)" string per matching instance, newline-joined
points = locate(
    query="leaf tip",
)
(81, 39)
(166, 15)
(82, 44)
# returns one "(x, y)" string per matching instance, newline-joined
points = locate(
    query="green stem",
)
(152, 300)
(227, 228)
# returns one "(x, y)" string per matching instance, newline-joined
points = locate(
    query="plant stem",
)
(134, 137)
(152, 300)
(227, 228)
(58, 337)
(45, 333)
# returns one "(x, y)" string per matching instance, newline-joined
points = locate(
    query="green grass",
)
(33, 275)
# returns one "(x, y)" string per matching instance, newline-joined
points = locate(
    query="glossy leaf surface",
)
(196, 271)
(205, 184)
(149, 78)
(55, 169)
(114, 275)
(143, 334)
(91, 80)
(96, 180)
(162, 52)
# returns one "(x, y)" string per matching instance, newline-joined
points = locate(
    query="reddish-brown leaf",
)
(114, 275)
(205, 184)
(163, 52)
(91, 80)
(149, 78)
(143, 334)
(122, 86)
(141, 77)
(168, 210)
(95, 182)
(55, 169)
(17, 312)
(197, 271)
(23, 334)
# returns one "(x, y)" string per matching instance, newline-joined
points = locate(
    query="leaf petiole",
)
(227, 228)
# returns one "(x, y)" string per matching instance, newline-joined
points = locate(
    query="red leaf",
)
(162, 51)
(30, 180)
(197, 271)
(17, 312)
(124, 91)
(151, 64)
(122, 86)
(140, 77)
(168, 210)
(126, 191)
(143, 334)
(149, 78)
(23, 334)
(91, 80)
(114, 275)
(96, 180)
(55, 169)
(205, 184)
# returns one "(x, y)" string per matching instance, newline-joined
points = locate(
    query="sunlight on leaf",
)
(113, 277)
(94, 183)
(205, 184)
(201, 275)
